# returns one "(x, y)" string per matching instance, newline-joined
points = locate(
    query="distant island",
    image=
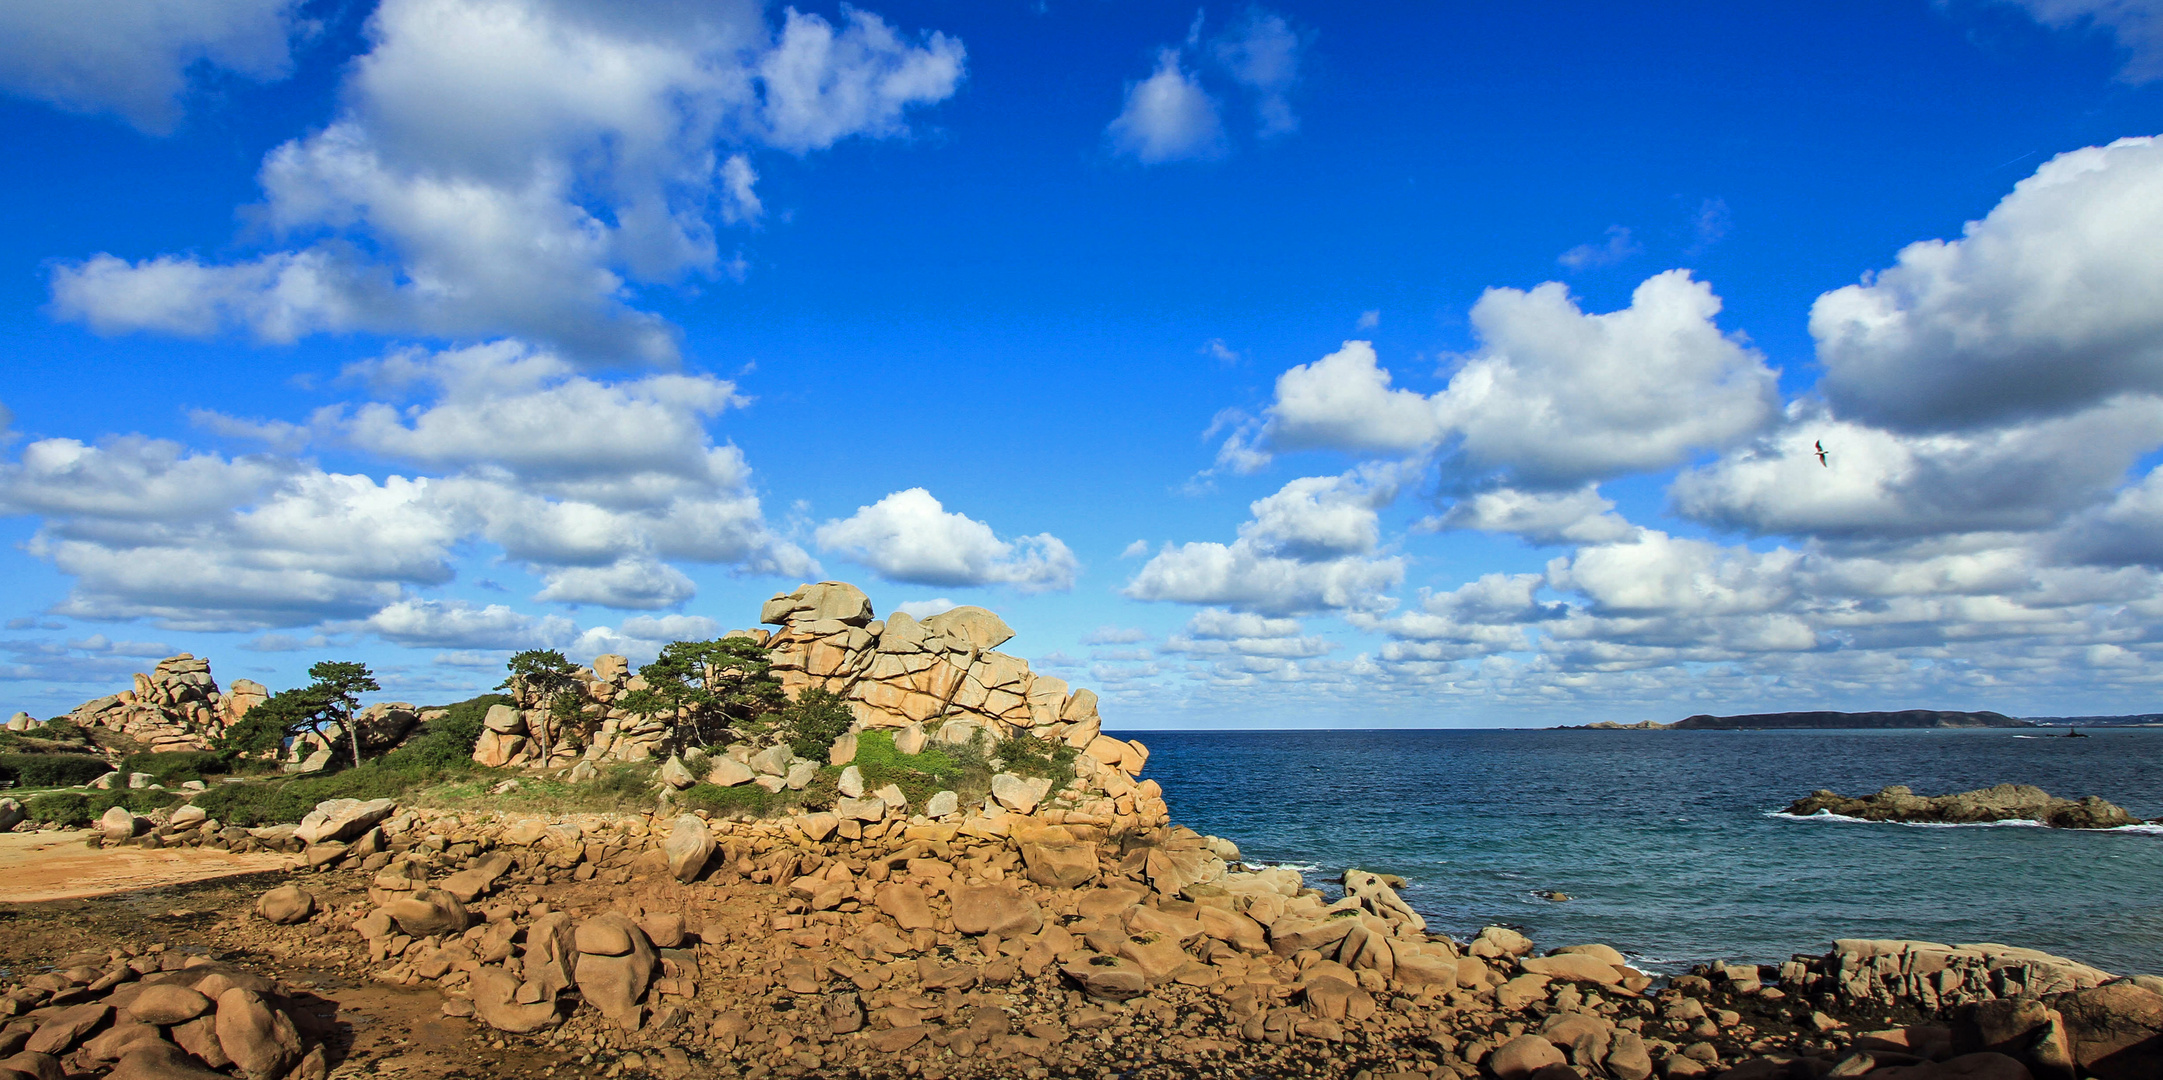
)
(1814, 721)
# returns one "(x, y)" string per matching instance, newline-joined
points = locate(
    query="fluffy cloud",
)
(1542, 517)
(642, 637)
(1877, 483)
(2125, 531)
(1213, 632)
(506, 404)
(1243, 575)
(200, 541)
(1553, 397)
(2137, 24)
(133, 58)
(626, 583)
(1167, 117)
(519, 166)
(1310, 546)
(909, 537)
(456, 624)
(1322, 517)
(1345, 401)
(2044, 307)
(823, 86)
(1261, 53)
(596, 487)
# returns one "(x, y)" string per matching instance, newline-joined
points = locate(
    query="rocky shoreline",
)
(1052, 926)
(644, 945)
(2002, 802)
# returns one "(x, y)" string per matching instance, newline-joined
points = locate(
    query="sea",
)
(1673, 847)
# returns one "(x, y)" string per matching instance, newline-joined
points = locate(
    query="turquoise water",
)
(1666, 843)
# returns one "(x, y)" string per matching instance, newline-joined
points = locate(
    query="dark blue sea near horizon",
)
(1667, 843)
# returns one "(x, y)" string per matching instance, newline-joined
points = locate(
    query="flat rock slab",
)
(56, 866)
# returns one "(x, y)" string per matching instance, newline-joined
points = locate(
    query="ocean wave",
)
(1827, 815)
(1303, 868)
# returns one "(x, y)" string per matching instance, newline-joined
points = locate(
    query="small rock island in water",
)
(2003, 802)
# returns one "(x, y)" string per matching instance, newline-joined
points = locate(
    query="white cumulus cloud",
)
(910, 537)
(2044, 307)
(1553, 397)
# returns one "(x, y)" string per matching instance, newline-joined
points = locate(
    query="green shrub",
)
(447, 741)
(442, 750)
(812, 722)
(176, 767)
(77, 808)
(1027, 755)
(52, 770)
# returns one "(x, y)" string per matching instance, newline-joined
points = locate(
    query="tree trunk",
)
(352, 728)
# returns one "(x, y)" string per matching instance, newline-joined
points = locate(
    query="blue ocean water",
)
(1666, 843)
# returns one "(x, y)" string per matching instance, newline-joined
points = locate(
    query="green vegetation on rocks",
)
(51, 770)
(440, 752)
(75, 809)
(175, 767)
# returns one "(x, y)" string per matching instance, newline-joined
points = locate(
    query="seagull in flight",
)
(1821, 454)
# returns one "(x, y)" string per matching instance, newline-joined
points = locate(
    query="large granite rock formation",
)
(178, 706)
(943, 671)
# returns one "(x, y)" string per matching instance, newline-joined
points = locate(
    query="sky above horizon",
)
(1281, 365)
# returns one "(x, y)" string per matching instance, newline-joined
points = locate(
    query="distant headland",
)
(1814, 721)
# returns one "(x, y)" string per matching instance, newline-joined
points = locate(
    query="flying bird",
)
(1821, 454)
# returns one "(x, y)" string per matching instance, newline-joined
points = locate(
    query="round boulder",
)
(1522, 1056)
(286, 905)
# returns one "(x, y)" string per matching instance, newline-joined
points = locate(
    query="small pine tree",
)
(718, 690)
(552, 679)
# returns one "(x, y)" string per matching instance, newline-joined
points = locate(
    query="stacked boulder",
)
(177, 706)
(527, 735)
(902, 670)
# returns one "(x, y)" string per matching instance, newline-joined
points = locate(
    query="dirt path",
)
(44, 866)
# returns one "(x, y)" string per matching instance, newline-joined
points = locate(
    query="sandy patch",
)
(57, 866)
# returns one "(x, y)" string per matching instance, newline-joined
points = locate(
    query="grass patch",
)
(1027, 755)
(440, 753)
(756, 801)
(622, 787)
(79, 808)
(961, 769)
(52, 770)
(56, 737)
(176, 767)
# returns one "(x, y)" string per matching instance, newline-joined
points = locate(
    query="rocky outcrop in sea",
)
(2002, 802)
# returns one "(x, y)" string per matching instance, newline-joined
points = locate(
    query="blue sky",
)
(1272, 365)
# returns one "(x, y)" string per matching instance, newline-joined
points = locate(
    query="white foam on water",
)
(1827, 815)
(1304, 868)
